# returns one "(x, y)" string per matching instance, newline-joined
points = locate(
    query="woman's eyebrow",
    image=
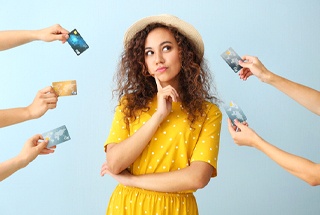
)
(164, 42)
(161, 44)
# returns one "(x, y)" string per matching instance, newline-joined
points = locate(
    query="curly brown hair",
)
(136, 87)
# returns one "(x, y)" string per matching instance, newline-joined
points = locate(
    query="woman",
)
(164, 140)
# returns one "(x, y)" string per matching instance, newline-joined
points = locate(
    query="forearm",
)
(194, 177)
(9, 167)
(304, 95)
(123, 154)
(13, 116)
(298, 166)
(11, 39)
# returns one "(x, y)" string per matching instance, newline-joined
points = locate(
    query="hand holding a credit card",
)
(55, 32)
(31, 149)
(45, 99)
(247, 65)
(253, 66)
(242, 134)
(35, 146)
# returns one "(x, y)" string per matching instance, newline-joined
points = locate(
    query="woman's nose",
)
(159, 58)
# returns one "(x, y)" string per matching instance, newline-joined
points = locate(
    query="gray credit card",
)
(56, 136)
(232, 59)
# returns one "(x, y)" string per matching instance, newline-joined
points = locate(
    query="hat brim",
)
(185, 28)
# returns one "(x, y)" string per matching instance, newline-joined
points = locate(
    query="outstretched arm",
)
(45, 99)
(14, 38)
(31, 149)
(298, 166)
(304, 95)
(194, 177)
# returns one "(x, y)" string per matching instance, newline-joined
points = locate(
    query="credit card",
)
(234, 112)
(232, 59)
(56, 136)
(65, 88)
(76, 42)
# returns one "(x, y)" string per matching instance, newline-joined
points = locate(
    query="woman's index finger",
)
(159, 87)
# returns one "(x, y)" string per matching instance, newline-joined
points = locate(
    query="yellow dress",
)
(174, 146)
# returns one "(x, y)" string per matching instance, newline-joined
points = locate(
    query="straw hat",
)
(185, 28)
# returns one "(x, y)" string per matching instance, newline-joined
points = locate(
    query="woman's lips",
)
(162, 69)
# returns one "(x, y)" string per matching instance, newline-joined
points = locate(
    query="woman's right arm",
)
(124, 153)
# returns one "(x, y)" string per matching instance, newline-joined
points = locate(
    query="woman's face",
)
(162, 56)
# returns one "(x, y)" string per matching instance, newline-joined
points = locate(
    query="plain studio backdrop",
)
(283, 34)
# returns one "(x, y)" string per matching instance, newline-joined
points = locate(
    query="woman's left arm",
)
(193, 177)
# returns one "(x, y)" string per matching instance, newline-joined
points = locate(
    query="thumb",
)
(47, 89)
(239, 124)
(246, 61)
(61, 37)
(231, 127)
(42, 145)
(244, 64)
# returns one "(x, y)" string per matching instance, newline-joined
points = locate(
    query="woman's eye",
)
(149, 53)
(166, 48)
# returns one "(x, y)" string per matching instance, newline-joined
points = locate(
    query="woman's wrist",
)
(158, 117)
(20, 162)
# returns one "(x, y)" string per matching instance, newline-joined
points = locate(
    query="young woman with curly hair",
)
(164, 140)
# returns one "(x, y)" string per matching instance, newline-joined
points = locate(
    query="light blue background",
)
(283, 34)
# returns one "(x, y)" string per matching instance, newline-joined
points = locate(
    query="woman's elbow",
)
(201, 174)
(200, 181)
(114, 170)
(313, 181)
(114, 167)
(313, 178)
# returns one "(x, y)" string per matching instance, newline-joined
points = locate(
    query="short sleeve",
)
(118, 130)
(207, 147)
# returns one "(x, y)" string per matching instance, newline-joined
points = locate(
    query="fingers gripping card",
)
(235, 112)
(232, 59)
(56, 136)
(76, 42)
(65, 88)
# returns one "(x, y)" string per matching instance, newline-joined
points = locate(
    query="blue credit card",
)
(232, 59)
(56, 136)
(235, 112)
(76, 42)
